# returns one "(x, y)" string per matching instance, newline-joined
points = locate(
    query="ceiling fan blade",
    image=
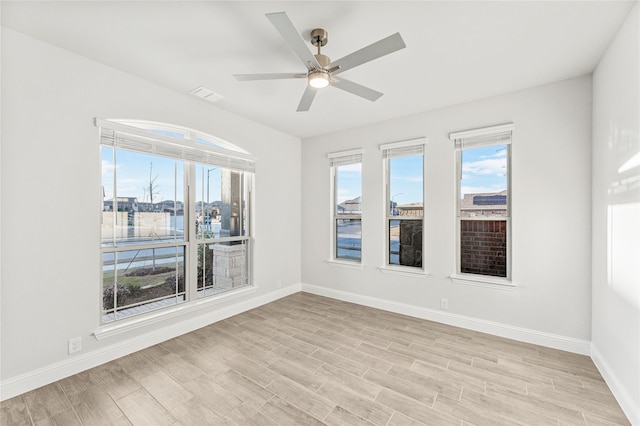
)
(285, 27)
(369, 53)
(307, 99)
(272, 76)
(356, 89)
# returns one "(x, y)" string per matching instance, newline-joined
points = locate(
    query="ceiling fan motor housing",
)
(319, 36)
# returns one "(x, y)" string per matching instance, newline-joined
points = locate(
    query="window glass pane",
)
(349, 189)
(348, 210)
(406, 186)
(349, 239)
(406, 204)
(179, 135)
(483, 182)
(138, 281)
(146, 205)
(220, 202)
(232, 214)
(394, 242)
(208, 201)
(405, 242)
(483, 247)
(109, 217)
(222, 267)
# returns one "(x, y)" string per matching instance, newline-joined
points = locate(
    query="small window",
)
(346, 220)
(404, 203)
(484, 201)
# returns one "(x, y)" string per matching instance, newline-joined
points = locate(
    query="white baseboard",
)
(34, 379)
(627, 403)
(541, 338)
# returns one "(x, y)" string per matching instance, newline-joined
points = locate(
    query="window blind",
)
(345, 157)
(487, 136)
(403, 148)
(134, 139)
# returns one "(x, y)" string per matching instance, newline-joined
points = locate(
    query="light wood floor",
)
(306, 359)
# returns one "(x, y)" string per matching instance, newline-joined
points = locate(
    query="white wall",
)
(616, 216)
(51, 167)
(551, 163)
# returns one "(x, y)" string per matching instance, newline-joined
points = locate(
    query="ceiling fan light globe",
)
(318, 79)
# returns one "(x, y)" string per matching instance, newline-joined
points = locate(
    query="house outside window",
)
(483, 158)
(404, 204)
(346, 205)
(175, 217)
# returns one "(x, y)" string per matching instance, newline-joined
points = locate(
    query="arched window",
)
(175, 216)
(181, 132)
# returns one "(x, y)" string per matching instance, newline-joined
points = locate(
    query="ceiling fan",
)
(321, 71)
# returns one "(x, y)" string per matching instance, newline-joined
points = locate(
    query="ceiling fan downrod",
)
(319, 38)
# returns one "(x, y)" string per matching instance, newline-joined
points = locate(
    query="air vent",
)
(206, 94)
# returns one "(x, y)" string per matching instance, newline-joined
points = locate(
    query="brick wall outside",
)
(483, 247)
(411, 242)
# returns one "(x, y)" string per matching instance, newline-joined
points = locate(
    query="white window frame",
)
(193, 148)
(476, 138)
(337, 159)
(397, 149)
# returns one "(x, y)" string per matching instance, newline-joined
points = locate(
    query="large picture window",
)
(404, 205)
(484, 201)
(346, 220)
(165, 241)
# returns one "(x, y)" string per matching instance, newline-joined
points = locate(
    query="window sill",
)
(483, 281)
(345, 264)
(124, 326)
(406, 271)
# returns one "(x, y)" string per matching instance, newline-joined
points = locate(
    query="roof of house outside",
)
(124, 200)
(467, 203)
(353, 205)
(411, 206)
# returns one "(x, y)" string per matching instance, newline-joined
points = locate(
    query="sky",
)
(133, 176)
(349, 182)
(483, 170)
(406, 180)
(134, 172)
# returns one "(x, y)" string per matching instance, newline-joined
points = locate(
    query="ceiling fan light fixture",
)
(318, 79)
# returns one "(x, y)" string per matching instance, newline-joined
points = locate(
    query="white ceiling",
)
(456, 51)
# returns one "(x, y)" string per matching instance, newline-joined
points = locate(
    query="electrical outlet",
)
(75, 344)
(444, 303)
